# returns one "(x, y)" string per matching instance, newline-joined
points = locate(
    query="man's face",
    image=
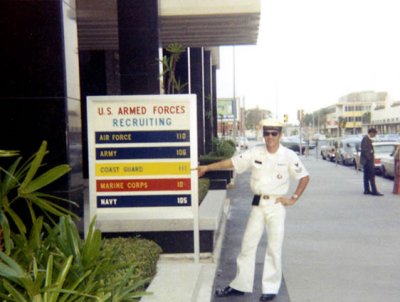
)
(372, 134)
(272, 137)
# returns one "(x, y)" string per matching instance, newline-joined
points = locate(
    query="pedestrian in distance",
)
(272, 166)
(367, 161)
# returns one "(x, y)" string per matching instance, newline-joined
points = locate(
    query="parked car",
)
(319, 137)
(347, 151)
(357, 154)
(242, 143)
(390, 137)
(385, 150)
(387, 165)
(382, 151)
(328, 150)
(293, 143)
(311, 144)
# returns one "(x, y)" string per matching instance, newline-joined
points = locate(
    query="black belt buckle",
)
(256, 200)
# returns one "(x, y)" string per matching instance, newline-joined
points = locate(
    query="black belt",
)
(256, 199)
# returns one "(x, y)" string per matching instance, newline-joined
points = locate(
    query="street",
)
(340, 245)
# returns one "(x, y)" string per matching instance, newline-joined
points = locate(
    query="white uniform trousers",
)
(271, 216)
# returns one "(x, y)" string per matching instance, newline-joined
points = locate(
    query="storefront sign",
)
(142, 150)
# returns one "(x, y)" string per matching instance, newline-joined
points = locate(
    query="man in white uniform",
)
(271, 169)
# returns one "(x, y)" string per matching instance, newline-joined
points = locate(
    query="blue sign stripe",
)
(133, 201)
(143, 153)
(127, 137)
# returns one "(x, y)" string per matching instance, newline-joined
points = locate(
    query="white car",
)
(242, 143)
(384, 150)
(328, 150)
(387, 165)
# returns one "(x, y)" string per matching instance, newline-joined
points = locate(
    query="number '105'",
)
(182, 200)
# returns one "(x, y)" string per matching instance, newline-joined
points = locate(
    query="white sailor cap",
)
(271, 124)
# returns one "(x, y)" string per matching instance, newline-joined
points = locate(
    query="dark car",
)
(348, 149)
(293, 143)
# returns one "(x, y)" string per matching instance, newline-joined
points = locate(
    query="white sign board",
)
(142, 149)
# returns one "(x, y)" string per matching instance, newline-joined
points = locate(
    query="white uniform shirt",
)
(270, 172)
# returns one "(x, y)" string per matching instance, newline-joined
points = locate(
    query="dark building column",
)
(214, 101)
(197, 87)
(138, 46)
(208, 101)
(35, 98)
(182, 70)
(92, 66)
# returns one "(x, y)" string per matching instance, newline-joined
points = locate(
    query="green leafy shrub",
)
(21, 183)
(209, 159)
(52, 263)
(133, 251)
(62, 267)
(204, 184)
(222, 149)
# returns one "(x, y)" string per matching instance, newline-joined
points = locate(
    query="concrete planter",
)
(173, 235)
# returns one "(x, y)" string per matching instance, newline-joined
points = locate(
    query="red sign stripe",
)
(127, 185)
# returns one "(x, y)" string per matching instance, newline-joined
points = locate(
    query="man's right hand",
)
(201, 170)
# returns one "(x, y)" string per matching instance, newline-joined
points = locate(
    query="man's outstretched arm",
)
(223, 164)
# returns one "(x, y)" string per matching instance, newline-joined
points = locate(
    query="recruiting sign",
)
(142, 150)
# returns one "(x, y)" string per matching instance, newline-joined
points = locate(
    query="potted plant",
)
(173, 84)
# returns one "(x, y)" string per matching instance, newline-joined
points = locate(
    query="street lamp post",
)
(234, 103)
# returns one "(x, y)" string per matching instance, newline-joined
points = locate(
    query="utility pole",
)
(300, 115)
(234, 103)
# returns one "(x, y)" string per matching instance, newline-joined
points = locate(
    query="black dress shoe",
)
(228, 291)
(267, 297)
(376, 194)
(367, 192)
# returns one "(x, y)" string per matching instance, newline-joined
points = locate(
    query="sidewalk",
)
(340, 245)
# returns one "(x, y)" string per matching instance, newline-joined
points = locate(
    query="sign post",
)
(142, 150)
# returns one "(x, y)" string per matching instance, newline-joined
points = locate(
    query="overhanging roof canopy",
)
(193, 23)
(209, 22)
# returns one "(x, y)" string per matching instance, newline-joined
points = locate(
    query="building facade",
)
(353, 106)
(58, 52)
(387, 119)
(352, 113)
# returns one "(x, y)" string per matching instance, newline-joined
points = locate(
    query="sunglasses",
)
(273, 133)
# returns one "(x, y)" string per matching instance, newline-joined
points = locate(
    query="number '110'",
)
(181, 135)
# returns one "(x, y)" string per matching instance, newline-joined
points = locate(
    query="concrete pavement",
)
(340, 245)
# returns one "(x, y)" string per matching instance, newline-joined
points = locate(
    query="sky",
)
(309, 53)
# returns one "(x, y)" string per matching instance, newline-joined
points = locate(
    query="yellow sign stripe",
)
(138, 169)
